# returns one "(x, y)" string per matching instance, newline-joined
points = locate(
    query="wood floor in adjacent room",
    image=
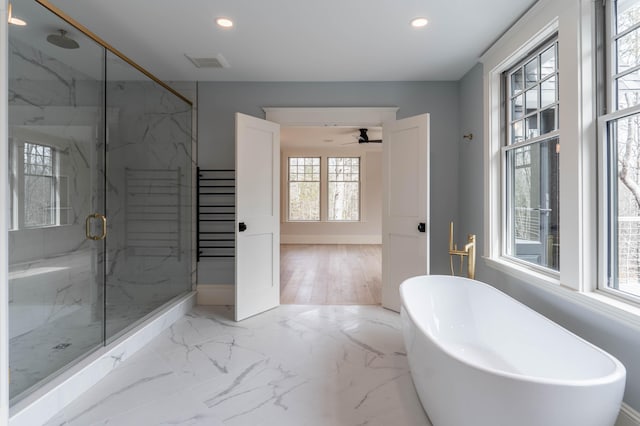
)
(330, 274)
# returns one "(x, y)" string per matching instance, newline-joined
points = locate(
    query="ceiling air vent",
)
(217, 61)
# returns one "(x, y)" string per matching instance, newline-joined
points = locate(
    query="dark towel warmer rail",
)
(216, 213)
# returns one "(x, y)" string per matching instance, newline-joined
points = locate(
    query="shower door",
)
(56, 202)
(148, 198)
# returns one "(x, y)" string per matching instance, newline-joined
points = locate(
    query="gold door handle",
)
(103, 219)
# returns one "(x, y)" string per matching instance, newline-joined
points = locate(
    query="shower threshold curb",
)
(52, 397)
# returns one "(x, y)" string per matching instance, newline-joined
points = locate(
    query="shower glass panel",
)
(149, 172)
(100, 187)
(56, 146)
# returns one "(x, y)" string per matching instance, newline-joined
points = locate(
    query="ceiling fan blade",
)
(364, 138)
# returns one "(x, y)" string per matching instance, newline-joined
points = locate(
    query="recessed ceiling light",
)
(15, 21)
(419, 22)
(224, 22)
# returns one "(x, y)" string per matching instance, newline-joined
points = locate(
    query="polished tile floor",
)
(294, 365)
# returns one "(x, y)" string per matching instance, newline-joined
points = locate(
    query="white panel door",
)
(405, 216)
(257, 253)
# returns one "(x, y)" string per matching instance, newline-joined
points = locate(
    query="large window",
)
(344, 188)
(555, 66)
(620, 149)
(304, 188)
(531, 157)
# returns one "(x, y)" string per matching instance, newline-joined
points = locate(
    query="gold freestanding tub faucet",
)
(469, 252)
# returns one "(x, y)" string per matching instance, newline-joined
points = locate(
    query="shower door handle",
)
(103, 219)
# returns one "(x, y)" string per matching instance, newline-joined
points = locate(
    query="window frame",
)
(608, 114)
(359, 182)
(606, 224)
(508, 143)
(577, 283)
(324, 155)
(17, 180)
(577, 164)
(52, 183)
(289, 182)
(525, 60)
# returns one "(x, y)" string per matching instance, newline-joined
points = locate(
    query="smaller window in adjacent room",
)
(40, 198)
(344, 188)
(531, 157)
(304, 188)
(620, 150)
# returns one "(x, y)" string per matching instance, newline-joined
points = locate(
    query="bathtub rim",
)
(619, 371)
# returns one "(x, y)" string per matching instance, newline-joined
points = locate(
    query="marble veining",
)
(294, 365)
(57, 298)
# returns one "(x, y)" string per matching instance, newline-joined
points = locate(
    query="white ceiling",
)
(300, 40)
(300, 138)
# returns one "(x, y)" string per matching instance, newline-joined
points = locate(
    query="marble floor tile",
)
(294, 365)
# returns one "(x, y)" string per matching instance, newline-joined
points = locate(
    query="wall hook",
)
(468, 136)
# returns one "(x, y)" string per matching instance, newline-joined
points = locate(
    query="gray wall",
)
(218, 102)
(613, 336)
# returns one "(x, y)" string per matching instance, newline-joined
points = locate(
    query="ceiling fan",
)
(364, 138)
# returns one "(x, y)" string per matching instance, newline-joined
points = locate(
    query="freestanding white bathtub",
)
(479, 357)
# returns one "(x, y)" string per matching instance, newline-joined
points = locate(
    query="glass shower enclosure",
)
(100, 187)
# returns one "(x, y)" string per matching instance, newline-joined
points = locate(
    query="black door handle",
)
(422, 227)
(242, 227)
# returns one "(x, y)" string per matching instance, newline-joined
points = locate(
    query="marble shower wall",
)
(141, 180)
(149, 172)
(51, 267)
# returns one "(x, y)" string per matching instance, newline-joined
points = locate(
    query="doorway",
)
(405, 194)
(331, 215)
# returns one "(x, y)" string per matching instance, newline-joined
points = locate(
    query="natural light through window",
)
(304, 188)
(621, 150)
(39, 186)
(344, 189)
(531, 155)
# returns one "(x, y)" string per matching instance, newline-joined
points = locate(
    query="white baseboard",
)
(216, 294)
(330, 239)
(628, 416)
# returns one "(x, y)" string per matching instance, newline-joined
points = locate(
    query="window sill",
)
(40, 228)
(522, 273)
(597, 301)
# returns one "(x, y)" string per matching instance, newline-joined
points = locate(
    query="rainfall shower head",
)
(61, 40)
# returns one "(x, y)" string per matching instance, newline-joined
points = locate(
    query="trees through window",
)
(304, 188)
(621, 147)
(39, 186)
(344, 188)
(309, 185)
